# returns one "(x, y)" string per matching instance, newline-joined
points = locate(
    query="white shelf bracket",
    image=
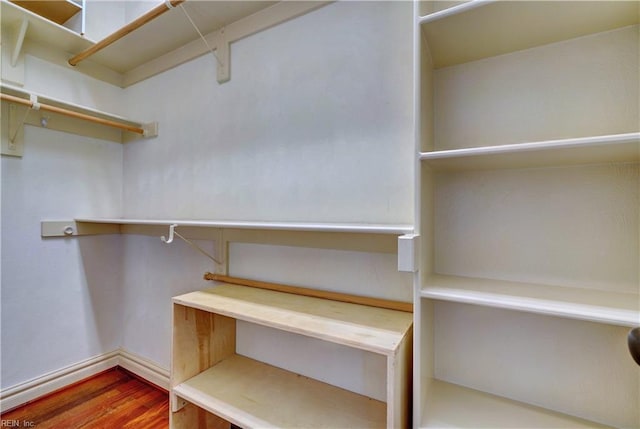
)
(19, 40)
(223, 55)
(408, 253)
(13, 138)
(173, 232)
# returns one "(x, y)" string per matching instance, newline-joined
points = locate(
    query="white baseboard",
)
(22, 393)
(144, 368)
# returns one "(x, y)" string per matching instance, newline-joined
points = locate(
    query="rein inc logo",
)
(6, 423)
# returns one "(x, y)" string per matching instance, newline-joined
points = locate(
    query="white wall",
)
(315, 125)
(59, 296)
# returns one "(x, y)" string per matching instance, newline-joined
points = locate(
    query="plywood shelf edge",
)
(583, 150)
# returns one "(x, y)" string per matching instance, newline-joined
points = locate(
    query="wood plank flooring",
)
(114, 399)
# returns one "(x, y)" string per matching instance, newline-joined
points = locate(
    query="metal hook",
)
(172, 228)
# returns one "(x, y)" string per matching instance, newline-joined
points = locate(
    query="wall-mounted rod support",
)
(173, 232)
(71, 113)
(119, 34)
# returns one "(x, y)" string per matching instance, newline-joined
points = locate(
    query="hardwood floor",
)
(114, 399)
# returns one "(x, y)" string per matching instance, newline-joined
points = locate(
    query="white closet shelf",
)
(285, 226)
(160, 44)
(585, 150)
(575, 303)
(367, 328)
(252, 394)
(452, 406)
(481, 29)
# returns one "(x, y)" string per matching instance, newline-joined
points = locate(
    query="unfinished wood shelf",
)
(256, 395)
(205, 360)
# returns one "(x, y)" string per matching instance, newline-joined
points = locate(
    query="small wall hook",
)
(172, 228)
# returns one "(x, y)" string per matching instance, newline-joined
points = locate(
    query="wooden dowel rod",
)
(17, 100)
(73, 114)
(119, 34)
(335, 296)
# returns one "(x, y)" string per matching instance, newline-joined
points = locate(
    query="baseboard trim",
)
(28, 391)
(144, 368)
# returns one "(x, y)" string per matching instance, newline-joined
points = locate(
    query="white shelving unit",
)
(528, 199)
(210, 377)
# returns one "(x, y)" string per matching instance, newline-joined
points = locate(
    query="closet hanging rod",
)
(119, 34)
(71, 113)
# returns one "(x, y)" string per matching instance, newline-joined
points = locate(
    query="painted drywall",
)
(59, 296)
(153, 273)
(315, 125)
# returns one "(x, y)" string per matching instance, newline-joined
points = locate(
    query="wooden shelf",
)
(58, 11)
(481, 29)
(285, 226)
(208, 372)
(584, 304)
(367, 328)
(453, 406)
(252, 394)
(586, 150)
